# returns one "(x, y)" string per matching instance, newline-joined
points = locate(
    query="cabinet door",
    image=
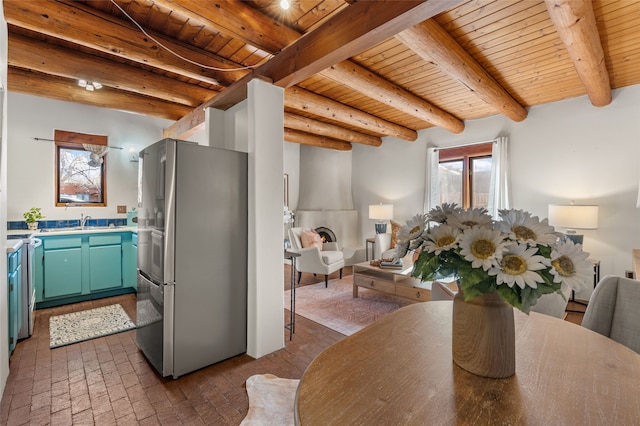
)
(62, 272)
(105, 267)
(12, 295)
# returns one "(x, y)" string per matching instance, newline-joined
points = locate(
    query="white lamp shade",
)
(381, 211)
(573, 217)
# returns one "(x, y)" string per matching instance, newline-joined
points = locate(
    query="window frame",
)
(73, 140)
(466, 154)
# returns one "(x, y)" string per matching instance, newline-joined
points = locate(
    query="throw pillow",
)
(310, 238)
(395, 228)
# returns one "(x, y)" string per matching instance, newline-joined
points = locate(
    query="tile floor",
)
(107, 381)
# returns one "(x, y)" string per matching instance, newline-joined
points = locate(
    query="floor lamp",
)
(572, 217)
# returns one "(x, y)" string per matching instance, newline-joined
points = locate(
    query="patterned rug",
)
(86, 325)
(335, 308)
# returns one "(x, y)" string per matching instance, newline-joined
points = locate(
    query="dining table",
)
(399, 371)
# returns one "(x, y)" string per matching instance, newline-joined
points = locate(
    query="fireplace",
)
(326, 234)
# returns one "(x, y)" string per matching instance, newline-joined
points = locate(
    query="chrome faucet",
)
(83, 219)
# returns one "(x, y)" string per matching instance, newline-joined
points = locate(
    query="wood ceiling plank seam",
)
(489, 14)
(316, 15)
(530, 47)
(469, 11)
(549, 54)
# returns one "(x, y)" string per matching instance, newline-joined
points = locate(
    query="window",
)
(79, 180)
(465, 175)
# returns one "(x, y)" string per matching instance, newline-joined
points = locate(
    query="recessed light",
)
(284, 4)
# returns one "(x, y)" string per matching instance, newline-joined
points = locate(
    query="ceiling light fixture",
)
(284, 4)
(89, 86)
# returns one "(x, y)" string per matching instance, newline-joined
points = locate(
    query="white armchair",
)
(382, 248)
(315, 261)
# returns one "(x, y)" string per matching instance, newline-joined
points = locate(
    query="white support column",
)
(265, 124)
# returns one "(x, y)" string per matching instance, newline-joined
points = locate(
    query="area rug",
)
(336, 308)
(86, 325)
(271, 400)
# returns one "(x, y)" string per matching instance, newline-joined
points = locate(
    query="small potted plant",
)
(32, 217)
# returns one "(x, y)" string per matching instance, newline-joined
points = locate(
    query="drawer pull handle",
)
(372, 284)
(418, 295)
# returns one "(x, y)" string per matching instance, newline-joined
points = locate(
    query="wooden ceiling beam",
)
(366, 82)
(434, 44)
(28, 53)
(304, 100)
(238, 20)
(308, 125)
(32, 83)
(87, 27)
(314, 140)
(575, 23)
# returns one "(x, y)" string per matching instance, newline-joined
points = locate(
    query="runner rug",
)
(86, 325)
(336, 308)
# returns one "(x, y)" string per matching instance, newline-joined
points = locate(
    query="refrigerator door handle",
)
(170, 213)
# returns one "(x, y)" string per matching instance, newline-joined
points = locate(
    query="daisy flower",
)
(441, 238)
(470, 218)
(413, 229)
(523, 227)
(569, 265)
(401, 250)
(482, 247)
(442, 212)
(518, 266)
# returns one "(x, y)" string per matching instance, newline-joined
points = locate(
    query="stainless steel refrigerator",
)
(192, 255)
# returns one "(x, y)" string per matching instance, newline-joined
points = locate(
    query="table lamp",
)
(381, 212)
(573, 217)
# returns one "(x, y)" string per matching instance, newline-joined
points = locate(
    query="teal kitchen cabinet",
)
(14, 279)
(83, 266)
(105, 262)
(62, 266)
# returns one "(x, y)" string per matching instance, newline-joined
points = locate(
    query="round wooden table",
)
(399, 370)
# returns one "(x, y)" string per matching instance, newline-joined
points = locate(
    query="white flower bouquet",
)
(519, 257)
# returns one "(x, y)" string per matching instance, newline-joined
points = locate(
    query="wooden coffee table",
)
(397, 282)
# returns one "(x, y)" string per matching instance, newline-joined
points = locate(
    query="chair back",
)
(614, 311)
(440, 291)
(294, 238)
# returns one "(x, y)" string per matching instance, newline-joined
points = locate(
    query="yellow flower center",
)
(523, 233)
(564, 266)
(483, 249)
(414, 229)
(513, 265)
(445, 241)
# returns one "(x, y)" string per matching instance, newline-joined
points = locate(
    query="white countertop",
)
(13, 245)
(73, 230)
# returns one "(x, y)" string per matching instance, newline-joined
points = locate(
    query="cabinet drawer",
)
(374, 283)
(414, 293)
(104, 240)
(61, 243)
(134, 239)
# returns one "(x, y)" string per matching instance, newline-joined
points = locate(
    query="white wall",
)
(564, 151)
(31, 168)
(4, 329)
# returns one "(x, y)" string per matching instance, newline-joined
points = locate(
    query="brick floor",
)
(107, 381)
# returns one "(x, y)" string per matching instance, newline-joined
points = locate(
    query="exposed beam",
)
(353, 30)
(308, 125)
(575, 23)
(27, 82)
(313, 140)
(434, 44)
(303, 100)
(236, 19)
(87, 27)
(359, 78)
(28, 53)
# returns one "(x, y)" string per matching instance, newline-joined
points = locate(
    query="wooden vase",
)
(484, 336)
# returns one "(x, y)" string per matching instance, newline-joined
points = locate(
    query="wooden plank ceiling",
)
(363, 70)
